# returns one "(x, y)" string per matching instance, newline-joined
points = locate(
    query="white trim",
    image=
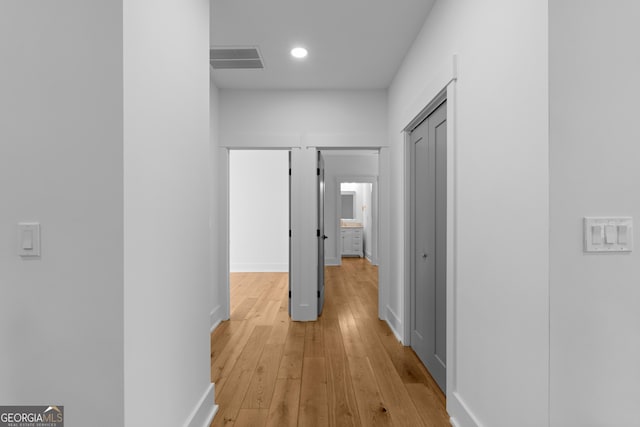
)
(408, 208)
(204, 411)
(226, 287)
(463, 416)
(216, 317)
(443, 75)
(324, 141)
(384, 227)
(242, 267)
(445, 81)
(452, 240)
(393, 321)
(369, 258)
(321, 140)
(333, 261)
(268, 140)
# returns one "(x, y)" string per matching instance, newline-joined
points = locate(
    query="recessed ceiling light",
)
(299, 52)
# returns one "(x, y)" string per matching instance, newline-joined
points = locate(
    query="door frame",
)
(321, 204)
(359, 143)
(226, 279)
(446, 93)
(375, 227)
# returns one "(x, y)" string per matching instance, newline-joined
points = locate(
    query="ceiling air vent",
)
(235, 58)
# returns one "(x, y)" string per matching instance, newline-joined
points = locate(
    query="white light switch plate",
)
(608, 234)
(29, 239)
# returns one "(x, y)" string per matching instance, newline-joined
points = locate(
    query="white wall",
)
(167, 180)
(219, 221)
(337, 166)
(259, 210)
(367, 221)
(116, 213)
(595, 345)
(256, 119)
(61, 316)
(303, 120)
(501, 265)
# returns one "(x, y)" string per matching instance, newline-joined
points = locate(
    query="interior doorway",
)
(358, 208)
(258, 214)
(351, 209)
(358, 170)
(355, 164)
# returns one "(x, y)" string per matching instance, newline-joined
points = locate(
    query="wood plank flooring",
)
(346, 369)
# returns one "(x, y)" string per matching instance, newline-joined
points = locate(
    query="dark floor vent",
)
(222, 58)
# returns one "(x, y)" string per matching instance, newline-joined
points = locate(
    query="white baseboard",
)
(368, 256)
(204, 411)
(333, 261)
(371, 259)
(239, 267)
(215, 317)
(461, 416)
(394, 323)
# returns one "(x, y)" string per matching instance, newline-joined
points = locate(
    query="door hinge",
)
(289, 233)
(318, 233)
(318, 294)
(289, 171)
(289, 294)
(318, 171)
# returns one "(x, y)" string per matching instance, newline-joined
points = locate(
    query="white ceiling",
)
(353, 44)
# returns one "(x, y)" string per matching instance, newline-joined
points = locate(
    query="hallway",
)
(346, 369)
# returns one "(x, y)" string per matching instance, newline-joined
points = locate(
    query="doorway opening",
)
(358, 209)
(351, 212)
(258, 224)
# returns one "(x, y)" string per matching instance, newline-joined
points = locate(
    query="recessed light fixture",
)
(299, 52)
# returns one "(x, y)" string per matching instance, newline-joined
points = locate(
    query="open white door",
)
(321, 235)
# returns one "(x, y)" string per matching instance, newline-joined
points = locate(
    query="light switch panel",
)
(623, 237)
(611, 234)
(608, 234)
(29, 239)
(596, 235)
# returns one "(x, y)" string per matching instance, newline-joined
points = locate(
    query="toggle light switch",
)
(29, 239)
(596, 235)
(622, 234)
(610, 234)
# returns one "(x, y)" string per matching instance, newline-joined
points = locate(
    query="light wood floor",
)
(346, 369)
